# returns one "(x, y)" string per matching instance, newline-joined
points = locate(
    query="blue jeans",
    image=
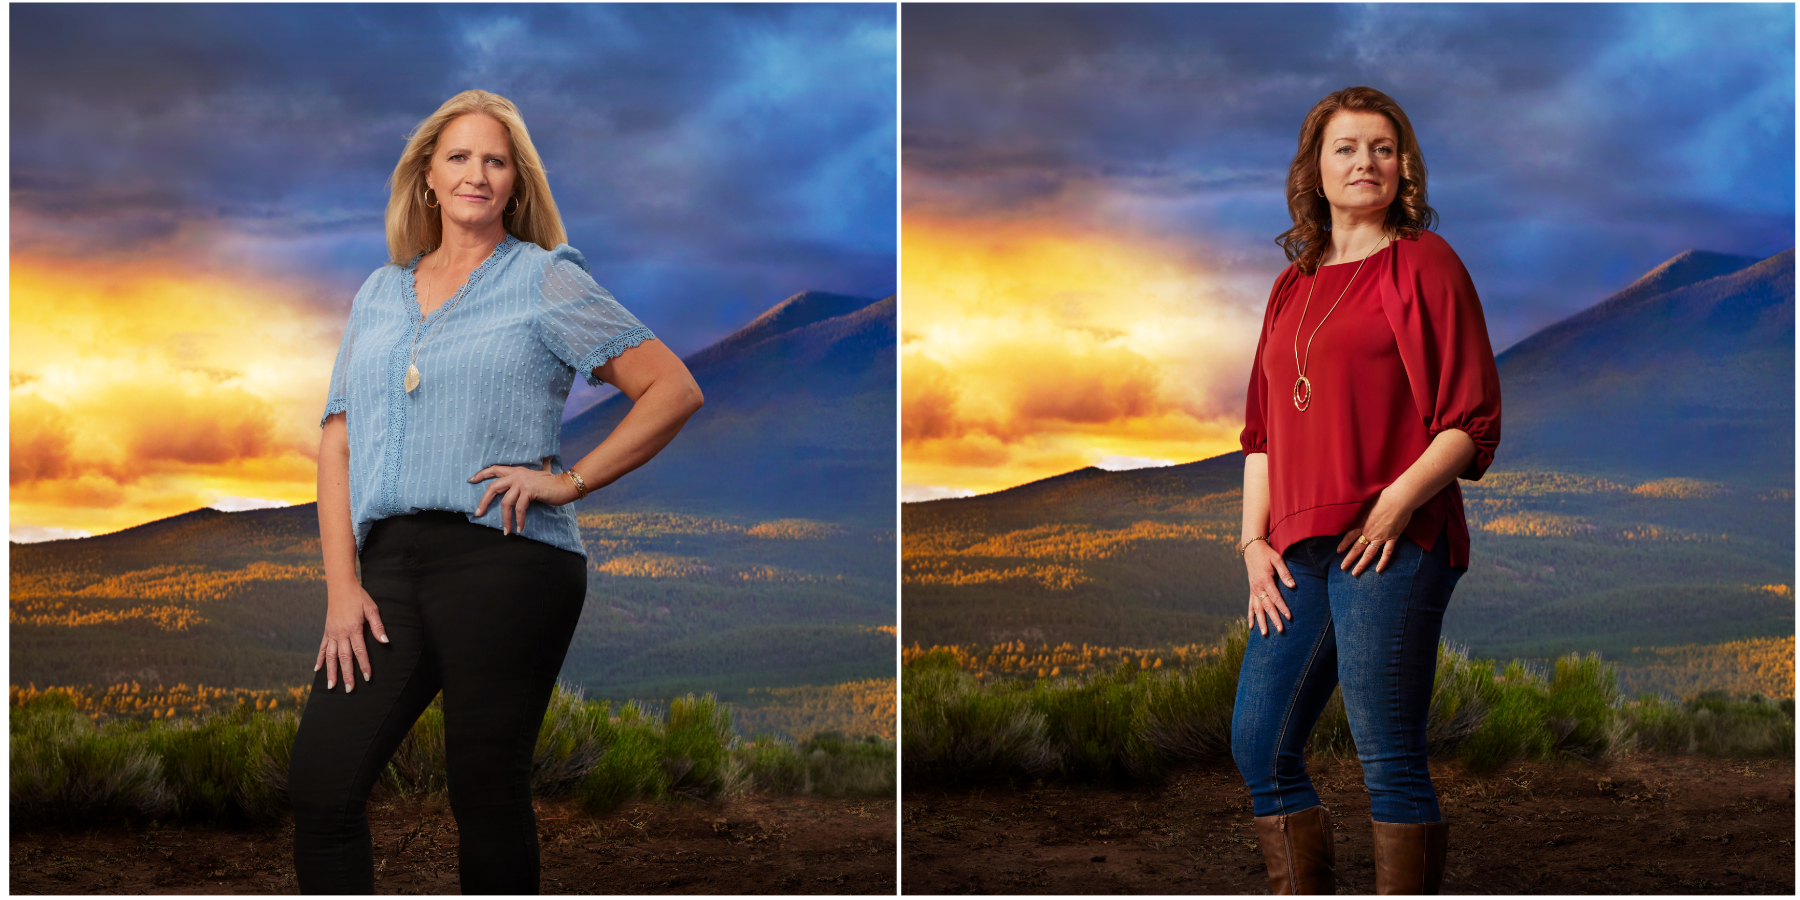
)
(1377, 633)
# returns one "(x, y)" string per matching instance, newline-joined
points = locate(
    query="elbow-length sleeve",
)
(578, 320)
(1443, 342)
(1255, 436)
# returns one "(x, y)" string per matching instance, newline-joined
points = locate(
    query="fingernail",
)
(382, 638)
(365, 676)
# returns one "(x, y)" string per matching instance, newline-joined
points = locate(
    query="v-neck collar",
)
(409, 284)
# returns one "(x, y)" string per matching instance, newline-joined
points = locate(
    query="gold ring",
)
(1361, 539)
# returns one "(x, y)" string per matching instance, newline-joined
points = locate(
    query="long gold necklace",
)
(1303, 386)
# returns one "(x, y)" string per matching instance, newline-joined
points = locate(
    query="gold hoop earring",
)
(1320, 190)
(429, 198)
(512, 206)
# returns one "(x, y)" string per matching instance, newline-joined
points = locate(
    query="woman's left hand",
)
(1382, 525)
(517, 486)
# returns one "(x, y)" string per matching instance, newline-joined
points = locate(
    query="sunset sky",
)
(197, 191)
(1091, 193)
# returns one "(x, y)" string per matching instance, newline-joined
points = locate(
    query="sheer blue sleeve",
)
(337, 396)
(578, 320)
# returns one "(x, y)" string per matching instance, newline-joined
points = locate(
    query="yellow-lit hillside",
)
(1015, 658)
(1755, 666)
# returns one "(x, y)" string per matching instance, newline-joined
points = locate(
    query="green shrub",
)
(953, 729)
(218, 768)
(631, 766)
(696, 749)
(570, 742)
(1462, 693)
(418, 766)
(1093, 725)
(1187, 715)
(1514, 725)
(1579, 708)
(1713, 724)
(63, 770)
(825, 765)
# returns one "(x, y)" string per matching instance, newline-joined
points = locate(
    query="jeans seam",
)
(1288, 714)
(1406, 620)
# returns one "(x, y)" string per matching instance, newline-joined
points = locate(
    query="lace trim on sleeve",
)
(335, 406)
(601, 355)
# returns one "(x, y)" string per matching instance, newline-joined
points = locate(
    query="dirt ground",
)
(1637, 825)
(749, 845)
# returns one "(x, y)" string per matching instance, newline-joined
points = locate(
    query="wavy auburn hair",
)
(414, 228)
(1305, 243)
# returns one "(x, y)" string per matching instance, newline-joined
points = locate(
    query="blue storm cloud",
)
(1571, 147)
(709, 160)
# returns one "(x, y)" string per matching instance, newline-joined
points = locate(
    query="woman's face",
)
(471, 171)
(1359, 161)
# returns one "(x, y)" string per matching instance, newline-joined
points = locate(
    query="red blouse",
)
(1404, 356)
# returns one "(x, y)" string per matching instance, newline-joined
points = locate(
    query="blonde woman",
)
(439, 471)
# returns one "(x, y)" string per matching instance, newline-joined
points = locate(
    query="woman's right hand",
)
(342, 649)
(1266, 606)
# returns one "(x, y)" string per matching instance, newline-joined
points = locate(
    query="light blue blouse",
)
(495, 362)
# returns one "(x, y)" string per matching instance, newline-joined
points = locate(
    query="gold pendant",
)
(1302, 393)
(412, 378)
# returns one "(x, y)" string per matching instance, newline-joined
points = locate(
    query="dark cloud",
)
(715, 158)
(1571, 147)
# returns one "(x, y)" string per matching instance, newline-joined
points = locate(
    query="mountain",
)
(1644, 483)
(799, 421)
(698, 578)
(1688, 371)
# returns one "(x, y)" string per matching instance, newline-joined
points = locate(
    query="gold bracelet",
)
(1246, 544)
(581, 488)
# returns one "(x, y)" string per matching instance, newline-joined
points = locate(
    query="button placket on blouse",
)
(394, 447)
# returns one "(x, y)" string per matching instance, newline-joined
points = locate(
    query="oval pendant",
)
(412, 378)
(1302, 393)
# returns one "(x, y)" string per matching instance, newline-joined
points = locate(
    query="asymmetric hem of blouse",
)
(1403, 357)
(496, 363)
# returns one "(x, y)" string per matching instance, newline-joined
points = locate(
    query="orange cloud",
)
(141, 391)
(1033, 348)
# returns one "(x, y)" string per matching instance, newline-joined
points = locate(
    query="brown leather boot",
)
(1298, 850)
(1409, 859)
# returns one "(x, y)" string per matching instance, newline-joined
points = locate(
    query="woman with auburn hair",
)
(439, 472)
(1353, 534)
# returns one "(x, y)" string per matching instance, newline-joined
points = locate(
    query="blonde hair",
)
(414, 228)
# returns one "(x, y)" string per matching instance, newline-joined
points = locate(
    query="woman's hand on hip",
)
(1374, 535)
(342, 650)
(1266, 606)
(517, 486)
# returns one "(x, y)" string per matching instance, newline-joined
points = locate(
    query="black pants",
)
(486, 618)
